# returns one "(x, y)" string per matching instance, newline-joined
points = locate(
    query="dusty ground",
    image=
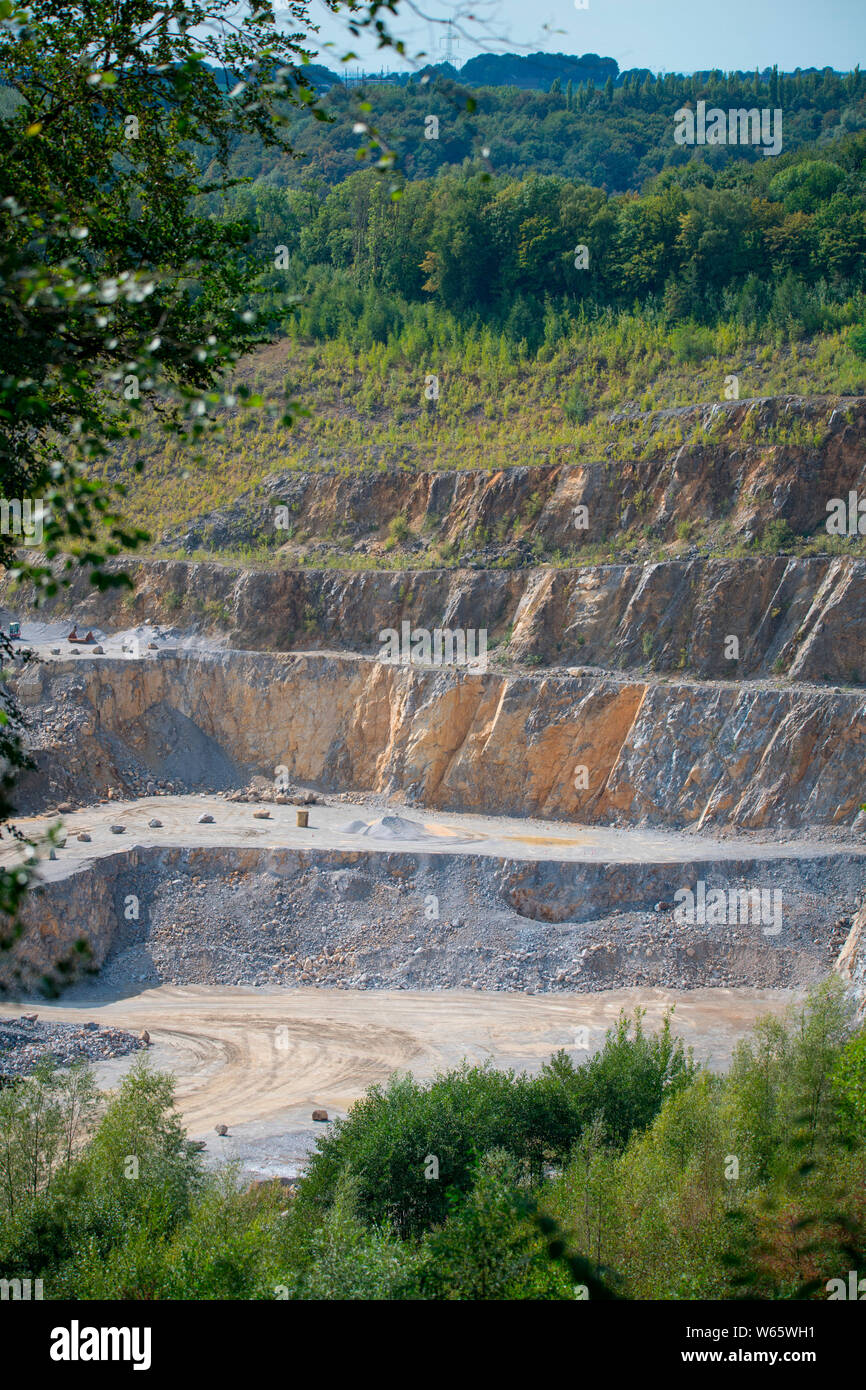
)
(260, 1061)
(439, 832)
(49, 640)
(383, 899)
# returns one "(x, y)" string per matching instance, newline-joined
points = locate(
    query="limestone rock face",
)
(802, 618)
(700, 691)
(677, 753)
(747, 462)
(80, 909)
(851, 964)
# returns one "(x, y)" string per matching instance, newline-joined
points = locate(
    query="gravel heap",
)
(24, 1041)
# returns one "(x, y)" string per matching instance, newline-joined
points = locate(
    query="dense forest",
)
(776, 241)
(616, 135)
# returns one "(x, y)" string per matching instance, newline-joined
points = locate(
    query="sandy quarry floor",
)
(261, 1060)
(437, 833)
(45, 638)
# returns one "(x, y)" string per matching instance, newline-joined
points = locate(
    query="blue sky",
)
(665, 35)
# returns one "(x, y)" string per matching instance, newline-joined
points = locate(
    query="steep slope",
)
(680, 753)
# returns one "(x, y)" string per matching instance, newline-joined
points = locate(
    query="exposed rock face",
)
(237, 915)
(83, 910)
(746, 462)
(685, 693)
(805, 618)
(851, 964)
(679, 753)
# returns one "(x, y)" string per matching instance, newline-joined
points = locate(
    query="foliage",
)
(488, 1248)
(621, 1088)
(113, 284)
(636, 1175)
(765, 246)
(848, 1082)
(617, 137)
(402, 1133)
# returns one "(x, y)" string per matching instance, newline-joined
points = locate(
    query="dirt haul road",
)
(260, 1061)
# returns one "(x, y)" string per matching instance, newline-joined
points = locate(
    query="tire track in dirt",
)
(265, 1059)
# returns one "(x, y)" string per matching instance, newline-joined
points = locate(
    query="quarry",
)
(300, 862)
(432, 672)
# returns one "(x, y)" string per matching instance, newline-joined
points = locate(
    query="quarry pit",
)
(280, 966)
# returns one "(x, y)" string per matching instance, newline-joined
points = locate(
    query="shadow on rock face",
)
(175, 749)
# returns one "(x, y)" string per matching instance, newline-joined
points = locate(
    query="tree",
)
(848, 1080)
(488, 1248)
(114, 284)
(622, 1087)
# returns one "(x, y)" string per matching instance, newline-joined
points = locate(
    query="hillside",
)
(609, 128)
(433, 690)
(632, 395)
